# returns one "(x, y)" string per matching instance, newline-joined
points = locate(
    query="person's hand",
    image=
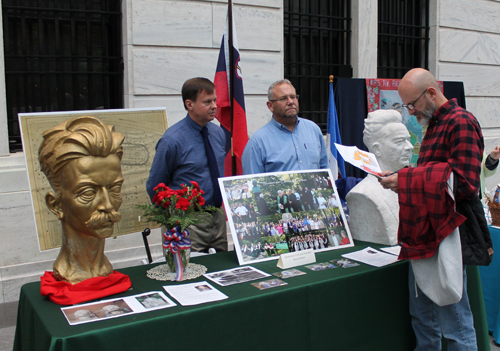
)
(495, 153)
(389, 181)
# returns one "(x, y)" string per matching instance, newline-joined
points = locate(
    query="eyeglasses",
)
(285, 98)
(411, 105)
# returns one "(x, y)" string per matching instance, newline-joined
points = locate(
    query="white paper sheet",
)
(372, 257)
(194, 293)
(393, 250)
(361, 159)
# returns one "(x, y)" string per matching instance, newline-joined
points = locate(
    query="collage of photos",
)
(275, 213)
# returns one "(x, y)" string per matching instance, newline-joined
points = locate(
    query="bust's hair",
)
(274, 85)
(73, 139)
(375, 124)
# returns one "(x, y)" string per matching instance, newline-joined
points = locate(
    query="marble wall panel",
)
(486, 110)
(260, 69)
(13, 180)
(128, 74)
(173, 104)
(433, 35)
(163, 71)
(479, 80)
(480, 15)
(17, 231)
(127, 15)
(257, 113)
(257, 28)
(172, 23)
(13, 175)
(12, 287)
(364, 38)
(15, 276)
(467, 46)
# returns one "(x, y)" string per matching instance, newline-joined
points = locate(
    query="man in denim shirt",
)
(180, 158)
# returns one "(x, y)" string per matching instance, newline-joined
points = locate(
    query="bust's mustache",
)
(99, 219)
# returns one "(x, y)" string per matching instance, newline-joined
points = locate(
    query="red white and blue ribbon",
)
(176, 240)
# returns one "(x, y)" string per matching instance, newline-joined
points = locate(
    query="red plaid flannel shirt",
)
(453, 141)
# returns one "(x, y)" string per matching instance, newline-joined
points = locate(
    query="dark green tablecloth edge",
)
(360, 308)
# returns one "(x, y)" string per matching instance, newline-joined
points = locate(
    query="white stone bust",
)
(373, 210)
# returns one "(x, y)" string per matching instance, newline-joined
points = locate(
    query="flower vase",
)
(169, 257)
(177, 249)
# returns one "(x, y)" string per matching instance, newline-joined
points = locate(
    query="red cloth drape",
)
(64, 293)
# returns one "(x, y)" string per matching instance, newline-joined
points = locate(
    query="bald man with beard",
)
(452, 148)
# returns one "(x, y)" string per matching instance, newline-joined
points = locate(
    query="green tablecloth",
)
(360, 308)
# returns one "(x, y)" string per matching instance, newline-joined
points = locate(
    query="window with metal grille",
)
(317, 45)
(403, 37)
(61, 55)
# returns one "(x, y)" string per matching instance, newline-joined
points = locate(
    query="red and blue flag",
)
(235, 126)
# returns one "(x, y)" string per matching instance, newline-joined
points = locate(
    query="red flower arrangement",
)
(177, 208)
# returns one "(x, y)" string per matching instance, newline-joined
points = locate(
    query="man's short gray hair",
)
(274, 85)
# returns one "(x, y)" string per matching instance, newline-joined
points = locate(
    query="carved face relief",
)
(395, 147)
(90, 195)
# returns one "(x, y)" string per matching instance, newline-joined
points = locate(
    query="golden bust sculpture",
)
(81, 159)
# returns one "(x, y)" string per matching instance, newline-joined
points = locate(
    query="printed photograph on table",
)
(267, 284)
(154, 301)
(321, 266)
(275, 213)
(96, 311)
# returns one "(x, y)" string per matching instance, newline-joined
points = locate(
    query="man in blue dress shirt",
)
(287, 142)
(180, 158)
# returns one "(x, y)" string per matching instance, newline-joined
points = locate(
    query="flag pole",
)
(331, 78)
(231, 81)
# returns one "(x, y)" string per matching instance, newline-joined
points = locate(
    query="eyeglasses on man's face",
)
(285, 98)
(411, 105)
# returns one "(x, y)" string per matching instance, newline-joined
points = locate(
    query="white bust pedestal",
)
(373, 212)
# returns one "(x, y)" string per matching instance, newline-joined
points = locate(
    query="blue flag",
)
(335, 161)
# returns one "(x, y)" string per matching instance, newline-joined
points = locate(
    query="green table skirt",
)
(359, 308)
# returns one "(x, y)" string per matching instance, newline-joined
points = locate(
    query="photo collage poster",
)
(275, 213)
